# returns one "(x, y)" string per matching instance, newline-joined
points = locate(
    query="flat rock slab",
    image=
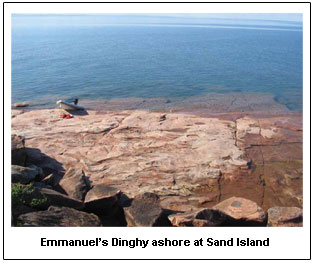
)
(145, 210)
(285, 216)
(134, 151)
(16, 112)
(59, 216)
(180, 157)
(101, 198)
(242, 210)
(75, 183)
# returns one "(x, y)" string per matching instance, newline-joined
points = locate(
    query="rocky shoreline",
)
(142, 168)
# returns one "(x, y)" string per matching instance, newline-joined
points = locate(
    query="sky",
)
(104, 19)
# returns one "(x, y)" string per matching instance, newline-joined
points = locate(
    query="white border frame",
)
(285, 243)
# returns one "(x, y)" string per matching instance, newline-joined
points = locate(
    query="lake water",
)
(171, 62)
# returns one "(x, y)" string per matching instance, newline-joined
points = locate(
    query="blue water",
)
(152, 61)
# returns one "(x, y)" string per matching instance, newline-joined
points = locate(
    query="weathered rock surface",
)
(18, 150)
(203, 217)
(16, 112)
(209, 197)
(58, 199)
(59, 216)
(24, 175)
(285, 216)
(101, 199)
(145, 210)
(273, 146)
(74, 183)
(243, 211)
(180, 157)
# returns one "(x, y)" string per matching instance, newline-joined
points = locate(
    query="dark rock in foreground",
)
(74, 183)
(285, 216)
(115, 217)
(24, 175)
(243, 211)
(145, 210)
(41, 185)
(101, 198)
(20, 210)
(18, 150)
(59, 216)
(51, 179)
(41, 198)
(58, 199)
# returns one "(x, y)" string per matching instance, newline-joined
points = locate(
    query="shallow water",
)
(171, 63)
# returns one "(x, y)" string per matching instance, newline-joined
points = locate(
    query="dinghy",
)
(69, 106)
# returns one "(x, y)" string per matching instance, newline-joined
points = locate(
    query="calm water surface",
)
(155, 61)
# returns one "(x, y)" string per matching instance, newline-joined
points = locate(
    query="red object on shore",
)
(66, 116)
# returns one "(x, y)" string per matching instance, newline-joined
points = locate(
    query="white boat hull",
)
(68, 106)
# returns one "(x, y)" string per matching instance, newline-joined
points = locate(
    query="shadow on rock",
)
(115, 218)
(46, 163)
(78, 112)
(124, 200)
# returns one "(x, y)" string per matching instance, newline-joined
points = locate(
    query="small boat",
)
(69, 106)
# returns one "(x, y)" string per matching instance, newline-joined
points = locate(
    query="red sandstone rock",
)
(181, 158)
(285, 216)
(16, 112)
(183, 220)
(101, 199)
(145, 210)
(209, 197)
(59, 216)
(74, 183)
(242, 210)
(203, 217)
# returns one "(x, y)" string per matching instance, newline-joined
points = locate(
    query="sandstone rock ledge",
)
(190, 162)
